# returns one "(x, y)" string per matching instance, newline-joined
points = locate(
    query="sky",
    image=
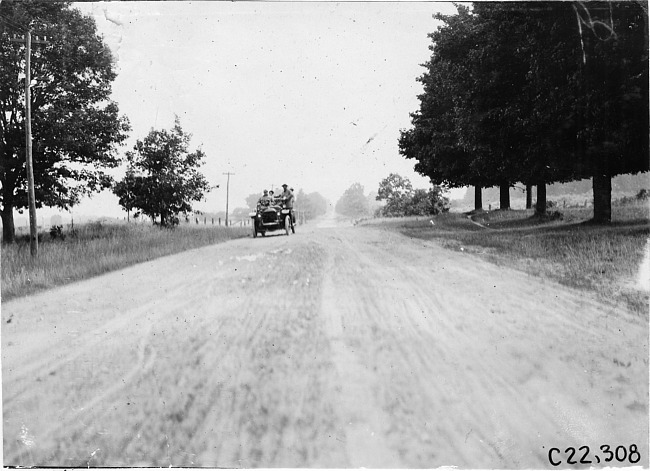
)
(310, 94)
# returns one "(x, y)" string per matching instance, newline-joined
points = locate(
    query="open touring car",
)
(274, 217)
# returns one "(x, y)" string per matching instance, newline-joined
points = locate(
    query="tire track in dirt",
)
(364, 421)
(277, 393)
(175, 297)
(144, 362)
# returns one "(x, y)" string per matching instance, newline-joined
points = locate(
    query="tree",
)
(252, 199)
(163, 178)
(76, 128)
(612, 84)
(318, 204)
(428, 202)
(397, 192)
(515, 91)
(526, 59)
(434, 140)
(353, 203)
(402, 200)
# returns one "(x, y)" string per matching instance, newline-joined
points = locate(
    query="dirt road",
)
(334, 347)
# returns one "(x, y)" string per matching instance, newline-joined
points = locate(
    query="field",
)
(567, 248)
(97, 248)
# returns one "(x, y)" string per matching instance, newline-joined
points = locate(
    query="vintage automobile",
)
(274, 217)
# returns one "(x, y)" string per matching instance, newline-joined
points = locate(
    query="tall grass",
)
(97, 248)
(601, 258)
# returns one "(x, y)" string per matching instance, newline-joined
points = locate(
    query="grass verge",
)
(97, 248)
(604, 259)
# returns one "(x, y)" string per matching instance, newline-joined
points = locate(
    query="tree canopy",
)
(162, 179)
(401, 199)
(311, 204)
(534, 92)
(353, 202)
(76, 128)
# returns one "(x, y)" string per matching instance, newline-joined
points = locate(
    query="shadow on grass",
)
(574, 251)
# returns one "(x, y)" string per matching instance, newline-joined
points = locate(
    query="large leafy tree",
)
(397, 192)
(403, 200)
(312, 204)
(520, 91)
(353, 203)
(439, 140)
(76, 128)
(527, 58)
(612, 85)
(163, 177)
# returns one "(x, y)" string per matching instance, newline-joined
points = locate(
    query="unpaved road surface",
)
(334, 347)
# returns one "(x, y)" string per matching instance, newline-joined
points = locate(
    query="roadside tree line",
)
(395, 197)
(77, 130)
(537, 93)
(76, 127)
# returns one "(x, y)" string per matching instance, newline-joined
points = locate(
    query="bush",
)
(549, 205)
(56, 232)
(418, 203)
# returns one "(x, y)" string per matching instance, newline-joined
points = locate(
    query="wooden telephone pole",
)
(33, 225)
(227, 194)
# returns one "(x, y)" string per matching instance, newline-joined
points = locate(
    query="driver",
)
(265, 200)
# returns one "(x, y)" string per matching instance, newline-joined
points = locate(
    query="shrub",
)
(56, 232)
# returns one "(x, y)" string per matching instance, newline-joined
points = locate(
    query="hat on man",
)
(284, 185)
(266, 192)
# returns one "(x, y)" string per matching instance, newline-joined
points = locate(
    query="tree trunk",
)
(602, 185)
(540, 205)
(8, 227)
(504, 196)
(529, 196)
(478, 198)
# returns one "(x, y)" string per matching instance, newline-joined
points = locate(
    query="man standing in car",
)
(287, 199)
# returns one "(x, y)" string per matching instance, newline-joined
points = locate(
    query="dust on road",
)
(334, 347)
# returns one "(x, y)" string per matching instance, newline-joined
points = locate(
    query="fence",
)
(301, 218)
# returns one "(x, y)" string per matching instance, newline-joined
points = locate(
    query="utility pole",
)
(33, 225)
(227, 194)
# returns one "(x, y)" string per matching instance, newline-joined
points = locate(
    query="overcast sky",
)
(311, 94)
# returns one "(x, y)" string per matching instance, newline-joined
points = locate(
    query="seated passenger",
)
(274, 199)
